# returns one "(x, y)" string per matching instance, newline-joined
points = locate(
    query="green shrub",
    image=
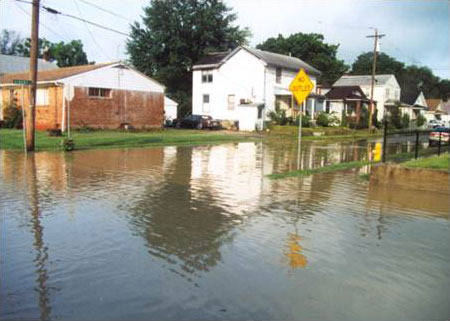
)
(420, 121)
(278, 116)
(67, 144)
(305, 121)
(405, 121)
(12, 117)
(344, 122)
(333, 120)
(323, 120)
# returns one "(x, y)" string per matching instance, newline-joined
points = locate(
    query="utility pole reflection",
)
(37, 229)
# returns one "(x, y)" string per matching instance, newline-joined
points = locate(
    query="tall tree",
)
(410, 78)
(311, 48)
(69, 54)
(385, 64)
(9, 42)
(175, 34)
(66, 54)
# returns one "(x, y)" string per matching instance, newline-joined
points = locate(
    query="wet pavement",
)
(201, 233)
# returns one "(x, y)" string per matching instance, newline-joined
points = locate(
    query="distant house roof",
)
(51, 75)
(169, 102)
(345, 92)
(10, 64)
(362, 80)
(433, 104)
(409, 97)
(215, 60)
(446, 107)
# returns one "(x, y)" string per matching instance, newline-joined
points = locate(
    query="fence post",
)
(416, 151)
(439, 144)
(384, 141)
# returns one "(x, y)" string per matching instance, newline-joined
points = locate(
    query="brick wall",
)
(137, 108)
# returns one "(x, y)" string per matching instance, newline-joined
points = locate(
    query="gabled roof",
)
(362, 80)
(215, 60)
(446, 107)
(409, 97)
(10, 64)
(345, 92)
(278, 60)
(433, 104)
(51, 75)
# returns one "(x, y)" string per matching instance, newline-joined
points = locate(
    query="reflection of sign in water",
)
(377, 152)
(294, 252)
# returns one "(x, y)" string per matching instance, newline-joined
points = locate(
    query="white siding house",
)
(386, 89)
(225, 83)
(170, 109)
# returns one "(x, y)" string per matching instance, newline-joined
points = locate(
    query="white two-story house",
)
(245, 84)
(386, 89)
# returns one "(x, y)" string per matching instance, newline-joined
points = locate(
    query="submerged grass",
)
(325, 169)
(13, 138)
(440, 163)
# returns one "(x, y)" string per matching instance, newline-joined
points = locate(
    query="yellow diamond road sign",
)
(301, 86)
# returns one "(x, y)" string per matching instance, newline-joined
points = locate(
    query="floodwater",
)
(183, 233)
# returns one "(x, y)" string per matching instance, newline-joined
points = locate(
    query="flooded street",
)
(201, 233)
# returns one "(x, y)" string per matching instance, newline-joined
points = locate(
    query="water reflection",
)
(41, 258)
(210, 216)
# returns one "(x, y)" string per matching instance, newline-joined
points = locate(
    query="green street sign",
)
(21, 82)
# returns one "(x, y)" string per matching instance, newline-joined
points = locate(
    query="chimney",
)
(46, 54)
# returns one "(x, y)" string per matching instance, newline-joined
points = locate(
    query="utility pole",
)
(374, 68)
(31, 112)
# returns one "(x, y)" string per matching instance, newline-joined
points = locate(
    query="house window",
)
(42, 97)
(205, 105)
(387, 93)
(327, 107)
(99, 92)
(278, 75)
(207, 76)
(230, 102)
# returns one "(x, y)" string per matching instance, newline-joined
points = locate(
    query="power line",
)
(56, 12)
(40, 22)
(106, 10)
(90, 33)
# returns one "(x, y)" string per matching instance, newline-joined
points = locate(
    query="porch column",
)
(313, 108)
(358, 111)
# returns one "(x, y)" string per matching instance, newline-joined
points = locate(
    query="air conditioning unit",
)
(245, 101)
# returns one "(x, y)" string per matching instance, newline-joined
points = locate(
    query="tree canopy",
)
(311, 48)
(410, 78)
(66, 54)
(9, 42)
(177, 33)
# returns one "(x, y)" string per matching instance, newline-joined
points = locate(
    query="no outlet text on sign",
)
(301, 86)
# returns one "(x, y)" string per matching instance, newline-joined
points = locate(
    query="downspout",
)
(63, 113)
(264, 100)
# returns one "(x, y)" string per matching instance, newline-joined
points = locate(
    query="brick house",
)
(105, 96)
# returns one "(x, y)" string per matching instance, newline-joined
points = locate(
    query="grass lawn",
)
(326, 133)
(13, 138)
(440, 163)
(325, 169)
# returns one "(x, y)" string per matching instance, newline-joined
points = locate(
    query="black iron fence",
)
(400, 145)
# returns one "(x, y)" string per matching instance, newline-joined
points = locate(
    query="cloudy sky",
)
(417, 32)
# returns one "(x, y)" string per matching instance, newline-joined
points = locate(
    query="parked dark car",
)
(198, 121)
(443, 132)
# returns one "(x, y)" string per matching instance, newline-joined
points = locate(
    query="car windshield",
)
(442, 129)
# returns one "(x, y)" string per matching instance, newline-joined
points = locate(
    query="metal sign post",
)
(300, 87)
